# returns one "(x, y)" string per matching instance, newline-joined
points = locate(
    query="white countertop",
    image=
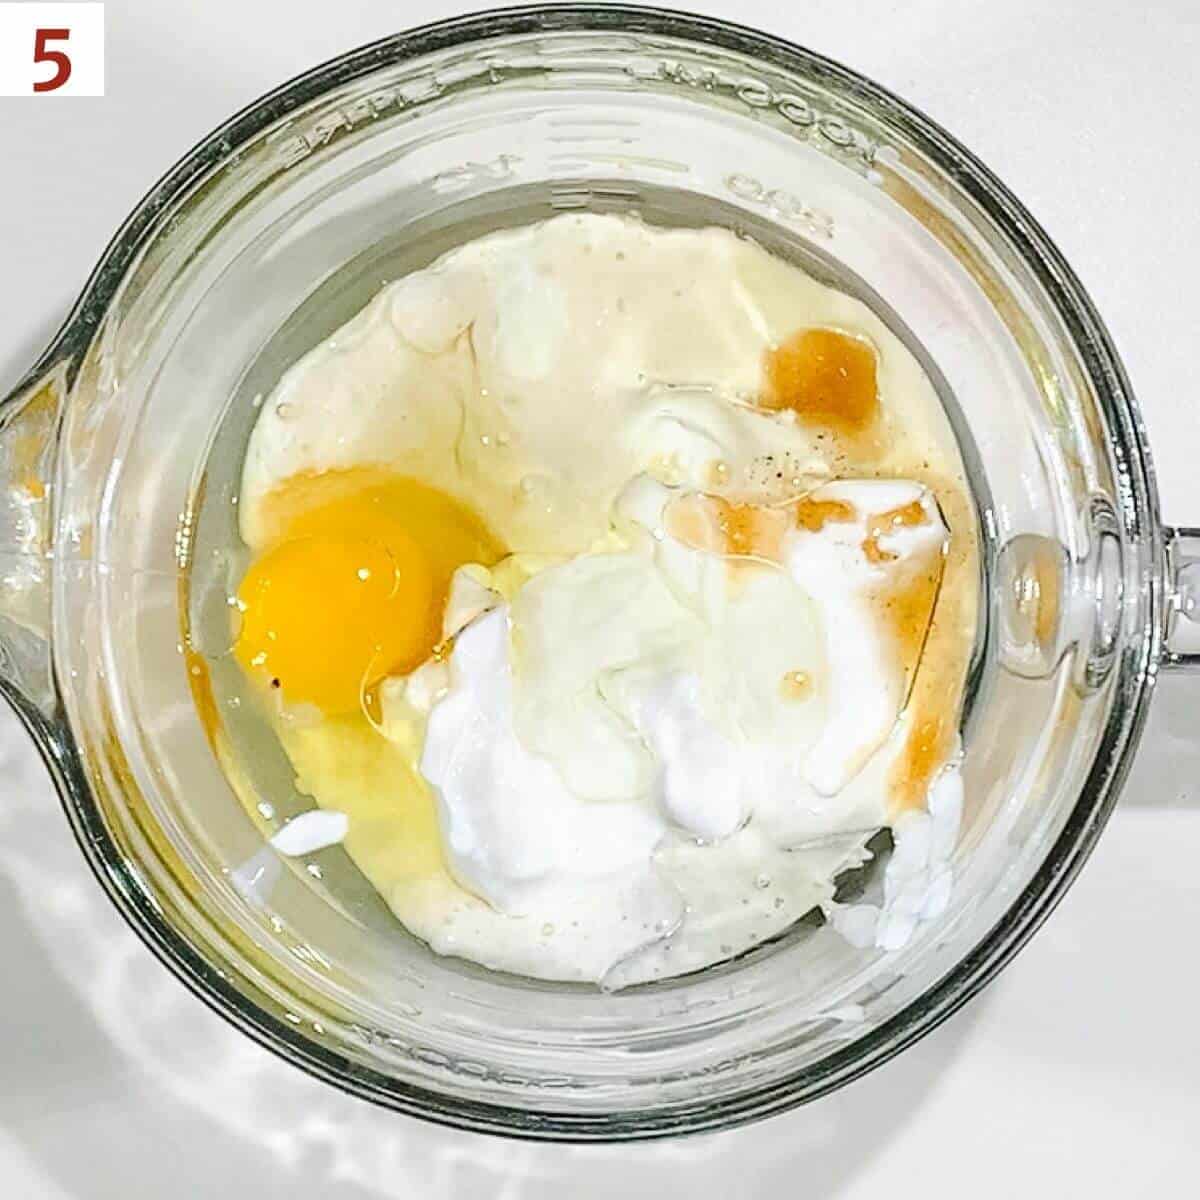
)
(1076, 1074)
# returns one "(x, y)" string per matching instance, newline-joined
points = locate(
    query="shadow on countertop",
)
(15, 361)
(117, 1082)
(1166, 771)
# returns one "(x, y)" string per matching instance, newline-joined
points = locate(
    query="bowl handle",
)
(29, 421)
(1183, 598)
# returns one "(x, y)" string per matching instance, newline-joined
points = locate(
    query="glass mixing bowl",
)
(278, 226)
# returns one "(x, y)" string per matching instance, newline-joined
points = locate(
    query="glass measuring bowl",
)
(301, 205)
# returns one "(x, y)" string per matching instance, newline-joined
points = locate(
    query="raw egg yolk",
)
(353, 583)
(321, 614)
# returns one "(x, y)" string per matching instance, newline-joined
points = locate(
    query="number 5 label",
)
(51, 49)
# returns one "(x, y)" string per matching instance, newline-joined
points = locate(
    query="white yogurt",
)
(309, 832)
(624, 721)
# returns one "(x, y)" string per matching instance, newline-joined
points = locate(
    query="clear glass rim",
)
(1136, 668)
